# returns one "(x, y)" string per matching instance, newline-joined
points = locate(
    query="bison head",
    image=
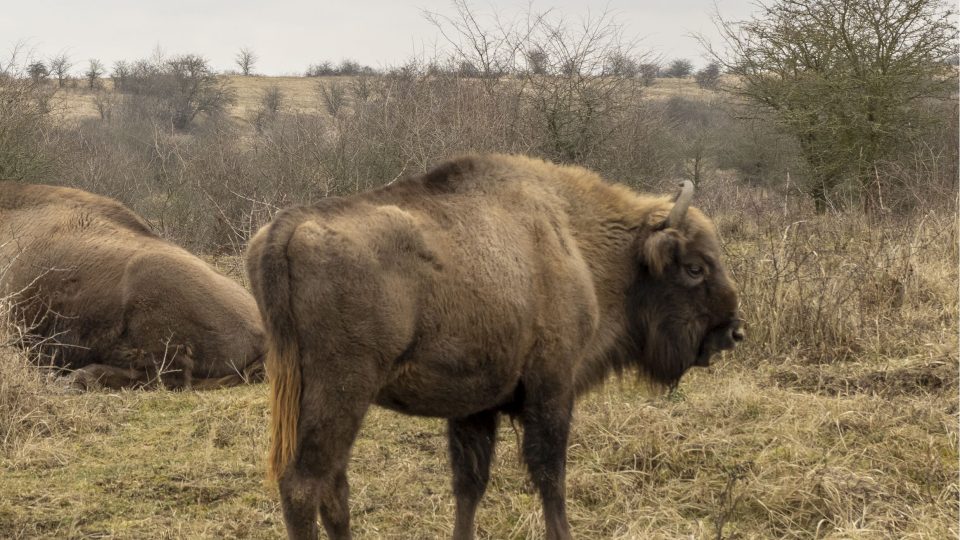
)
(682, 306)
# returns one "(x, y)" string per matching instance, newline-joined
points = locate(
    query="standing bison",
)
(109, 299)
(489, 285)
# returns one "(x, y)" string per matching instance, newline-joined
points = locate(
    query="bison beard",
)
(663, 346)
(490, 285)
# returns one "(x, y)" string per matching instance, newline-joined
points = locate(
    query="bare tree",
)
(60, 67)
(197, 89)
(842, 76)
(246, 59)
(95, 70)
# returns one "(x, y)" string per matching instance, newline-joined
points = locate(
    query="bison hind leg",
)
(336, 395)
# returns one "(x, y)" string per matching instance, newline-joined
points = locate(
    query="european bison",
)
(491, 284)
(111, 300)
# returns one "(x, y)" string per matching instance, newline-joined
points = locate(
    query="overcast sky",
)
(288, 35)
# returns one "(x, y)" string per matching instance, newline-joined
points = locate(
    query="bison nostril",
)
(736, 334)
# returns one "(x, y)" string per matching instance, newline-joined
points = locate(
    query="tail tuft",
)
(283, 371)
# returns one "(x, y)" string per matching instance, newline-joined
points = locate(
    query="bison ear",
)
(660, 249)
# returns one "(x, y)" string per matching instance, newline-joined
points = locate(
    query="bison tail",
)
(269, 271)
(283, 370)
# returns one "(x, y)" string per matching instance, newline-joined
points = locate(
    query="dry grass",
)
(728, 454)
(26, 414)
(806, 432)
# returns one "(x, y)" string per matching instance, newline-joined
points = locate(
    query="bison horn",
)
(680, 205)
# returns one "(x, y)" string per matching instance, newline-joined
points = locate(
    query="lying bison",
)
(108, 298)
(489, 285)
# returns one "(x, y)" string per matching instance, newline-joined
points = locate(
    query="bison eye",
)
(694, 270)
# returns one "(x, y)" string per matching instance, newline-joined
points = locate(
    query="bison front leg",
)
(546, 423)
(472, 441)
(115, 378)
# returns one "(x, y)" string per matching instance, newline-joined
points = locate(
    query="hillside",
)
(300, 94)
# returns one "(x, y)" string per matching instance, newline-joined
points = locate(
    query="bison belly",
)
(449, 383)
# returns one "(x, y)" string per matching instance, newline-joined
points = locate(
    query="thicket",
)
(24, 121)
(852, 81)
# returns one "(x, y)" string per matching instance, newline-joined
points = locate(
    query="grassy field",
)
(836, 419)
(300, 94)
(742, 454)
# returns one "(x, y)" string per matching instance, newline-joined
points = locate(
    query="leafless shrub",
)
(537, 61)
(709, 76)
(333, 95)
(579, 110)
(120, 75)
(104, 102)
(619, 64)
(347, 67)
(679, 68)
(829, 289)
(649, 71)
(320, 69)
(271, 101)
(24, 117)
(26, 411)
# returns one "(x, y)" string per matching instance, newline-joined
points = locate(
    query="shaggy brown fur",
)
(116, 303)
(491, 284)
